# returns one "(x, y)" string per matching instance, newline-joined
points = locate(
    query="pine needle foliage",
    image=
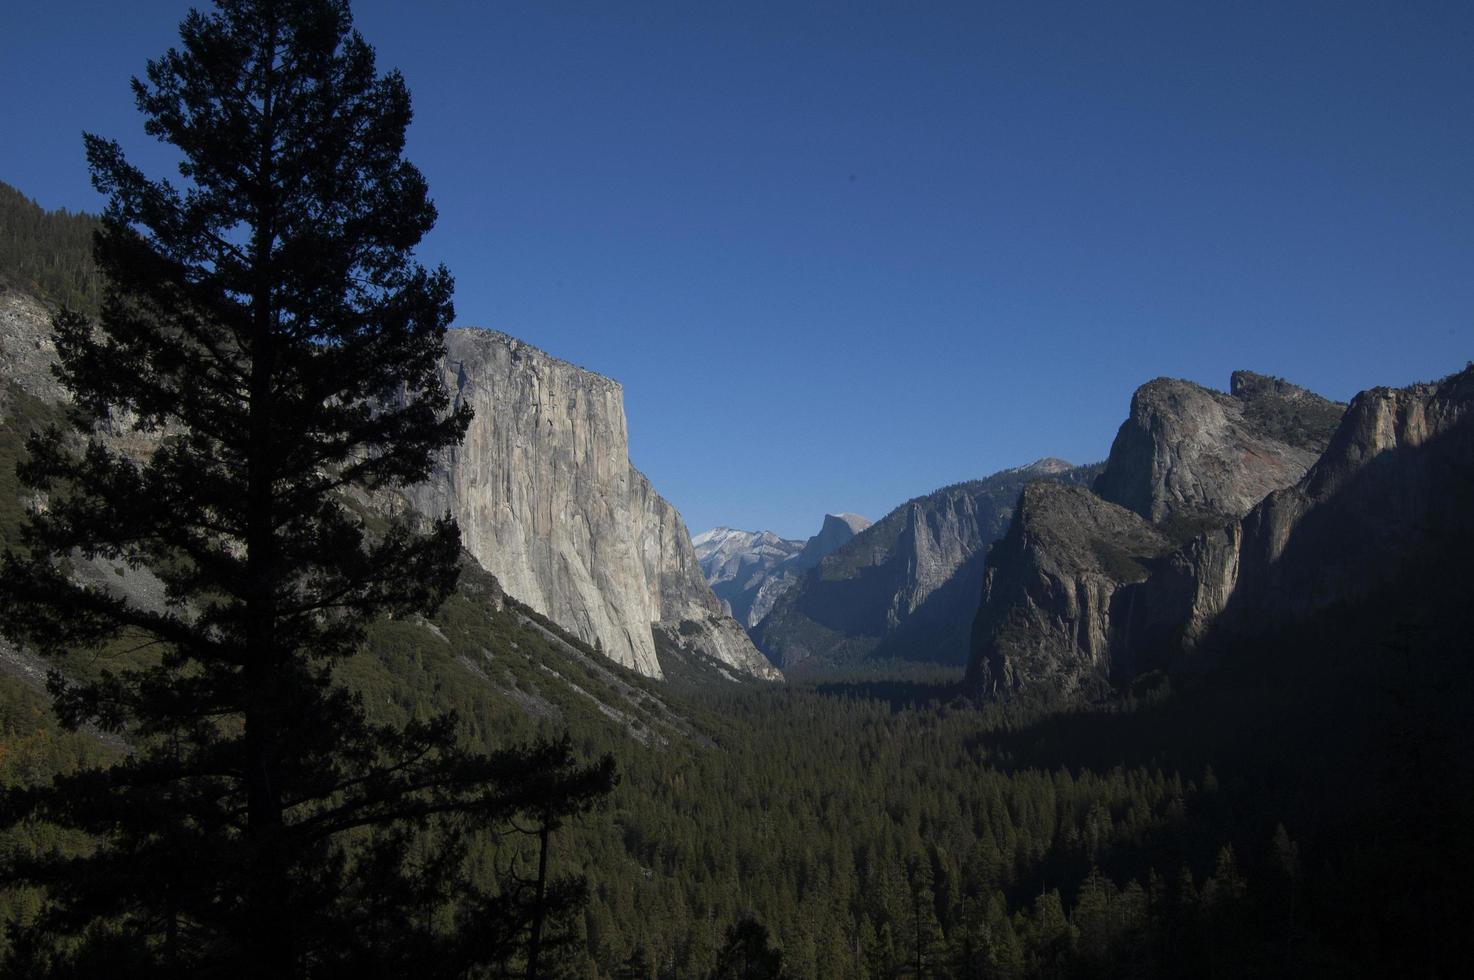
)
(267, 348)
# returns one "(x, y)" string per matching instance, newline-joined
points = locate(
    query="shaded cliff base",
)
(1351, 731)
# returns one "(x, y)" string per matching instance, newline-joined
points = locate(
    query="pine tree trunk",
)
(271, 943)
(534, 945)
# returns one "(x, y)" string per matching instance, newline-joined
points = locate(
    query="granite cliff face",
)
(1188, 456)
(1063, 610)
(27, 350)
(1389, 499)
(907, 586)
(1054, 586)
(749, 570)
(1385, 503)
(834, 533)
(549, 503)
(542, 486)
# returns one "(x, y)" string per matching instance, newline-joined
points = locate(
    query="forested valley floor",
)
(1303, 814)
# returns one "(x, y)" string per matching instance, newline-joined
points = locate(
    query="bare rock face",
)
(742, 567)
(906, 586)
(1065, 608)
(835, 533)
(542, 486)
(1389, 498)
(1189, 457)
(27, 349)
(549, 503)
(1053, 586)
(1386, 503)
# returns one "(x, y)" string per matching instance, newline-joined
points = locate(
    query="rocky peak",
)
(749, 570)
(1048, 466)
(1386, 500)
(1082, 592)
(1382, 420)
(549, 503)
(908, 585)
(1050, 590)
(730, 544)
(1286, 412)
(1188, 457)
(836, 531)
(1247, 386)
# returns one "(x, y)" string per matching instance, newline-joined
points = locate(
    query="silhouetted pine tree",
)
(267, 331)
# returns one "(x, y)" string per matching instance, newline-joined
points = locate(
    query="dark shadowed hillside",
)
(905, 588)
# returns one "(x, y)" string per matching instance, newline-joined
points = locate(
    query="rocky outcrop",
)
(549, 503)
(1062, 612)
(27, 349)
(907, 586)
(749, 570)
(1062, 615)
(542, 487)
(835, 533)
(738, 565)
(1054, 585)
(1189, 457)
(1388, 499)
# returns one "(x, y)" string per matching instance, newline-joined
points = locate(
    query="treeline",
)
(48, 253)
(1301, 812)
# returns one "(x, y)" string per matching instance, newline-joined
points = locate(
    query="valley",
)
(339, 638)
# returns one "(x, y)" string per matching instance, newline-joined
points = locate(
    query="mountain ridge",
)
(1378, 506)
(906, 587)
(749, 570)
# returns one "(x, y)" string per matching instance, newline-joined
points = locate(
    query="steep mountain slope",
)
(736, 564)
(834, 533)
(749, 570)
(1186, 460)
(1386, 501)
(1052, 589)
(542, 487)
(550, 504)
(1189, 457)
(1389, 498)
(907, 586)
(26, 348)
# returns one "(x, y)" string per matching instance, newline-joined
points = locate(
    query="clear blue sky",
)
(842, 254)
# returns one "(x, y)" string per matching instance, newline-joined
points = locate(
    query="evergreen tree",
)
(636, 966)
(47, 252)
(269, 341)
(747, 954)
(923, 933)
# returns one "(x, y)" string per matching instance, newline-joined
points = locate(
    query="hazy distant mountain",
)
(907, 587)
(737, 563)
(748, 570)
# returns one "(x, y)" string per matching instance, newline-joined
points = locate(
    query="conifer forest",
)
(266, 712)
